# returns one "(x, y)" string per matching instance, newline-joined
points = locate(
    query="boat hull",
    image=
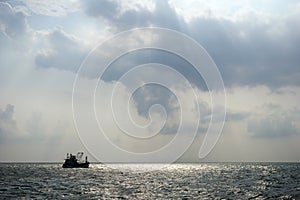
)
(79, 165)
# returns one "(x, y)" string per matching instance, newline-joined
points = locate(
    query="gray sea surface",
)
(150, 181)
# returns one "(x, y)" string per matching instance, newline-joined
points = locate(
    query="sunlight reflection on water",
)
(151, 181)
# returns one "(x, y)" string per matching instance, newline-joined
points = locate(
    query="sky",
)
(52, 55)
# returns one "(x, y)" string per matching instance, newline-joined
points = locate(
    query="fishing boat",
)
(76, 161)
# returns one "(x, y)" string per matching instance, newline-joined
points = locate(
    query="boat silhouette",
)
(75, 161)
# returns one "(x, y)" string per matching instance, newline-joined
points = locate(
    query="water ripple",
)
(178, 181)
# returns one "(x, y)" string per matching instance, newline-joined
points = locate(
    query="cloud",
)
(104, 8)
(41, 129)
(140, 57)
(273, 122)
(51, 8)
(153, 94)
(64, 52)
(12, 23)
(251, 53)
(272, 127)
(52, 48)
(8, 125)
(250, 50)
(118, 17)
(36, 128)
(236, 116)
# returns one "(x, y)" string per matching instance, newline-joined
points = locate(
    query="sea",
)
(151, 181)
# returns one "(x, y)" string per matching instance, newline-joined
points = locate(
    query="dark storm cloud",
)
(140, 57)
(119, 19)
(152, 94)
(251, 54)
(103, 8)
(247, 52)
(65, 52)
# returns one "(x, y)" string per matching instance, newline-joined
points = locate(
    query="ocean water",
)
(148, 181)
